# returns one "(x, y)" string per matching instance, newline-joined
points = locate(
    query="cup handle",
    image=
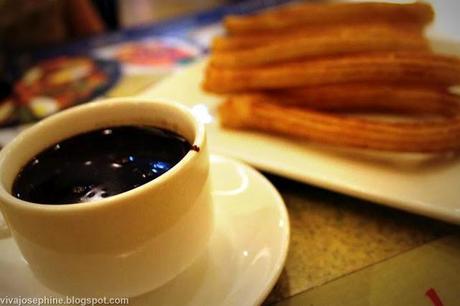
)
(4, 230)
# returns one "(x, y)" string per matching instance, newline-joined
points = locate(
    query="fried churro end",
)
(234, 113)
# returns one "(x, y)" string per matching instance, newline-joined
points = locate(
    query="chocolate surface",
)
(99, 164)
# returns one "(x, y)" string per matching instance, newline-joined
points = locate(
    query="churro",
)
(424, 136)
(251, 40)
(329, 13)
(387, 67)
(367, 98)
(347, 40)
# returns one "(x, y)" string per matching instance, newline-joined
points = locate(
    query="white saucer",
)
(243, 261)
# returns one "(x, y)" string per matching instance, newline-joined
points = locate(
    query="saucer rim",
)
(284, 215)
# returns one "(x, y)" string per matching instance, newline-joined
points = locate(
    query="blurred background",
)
(111, 47)
(31, 24)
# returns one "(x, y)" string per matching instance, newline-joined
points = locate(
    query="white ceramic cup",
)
(123, 245)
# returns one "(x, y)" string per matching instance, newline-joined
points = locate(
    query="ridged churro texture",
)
(329, 13)
(322, 31)
(365, 98)
(424, 136)
(346, 40)
(394, 67)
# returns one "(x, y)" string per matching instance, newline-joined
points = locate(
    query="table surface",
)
(334, 236)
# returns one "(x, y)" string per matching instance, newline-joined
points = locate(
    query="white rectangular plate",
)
(426, 185)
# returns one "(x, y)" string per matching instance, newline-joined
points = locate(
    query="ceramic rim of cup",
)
(5, 154)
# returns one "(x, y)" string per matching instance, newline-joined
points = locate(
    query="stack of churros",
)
(301, 69)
